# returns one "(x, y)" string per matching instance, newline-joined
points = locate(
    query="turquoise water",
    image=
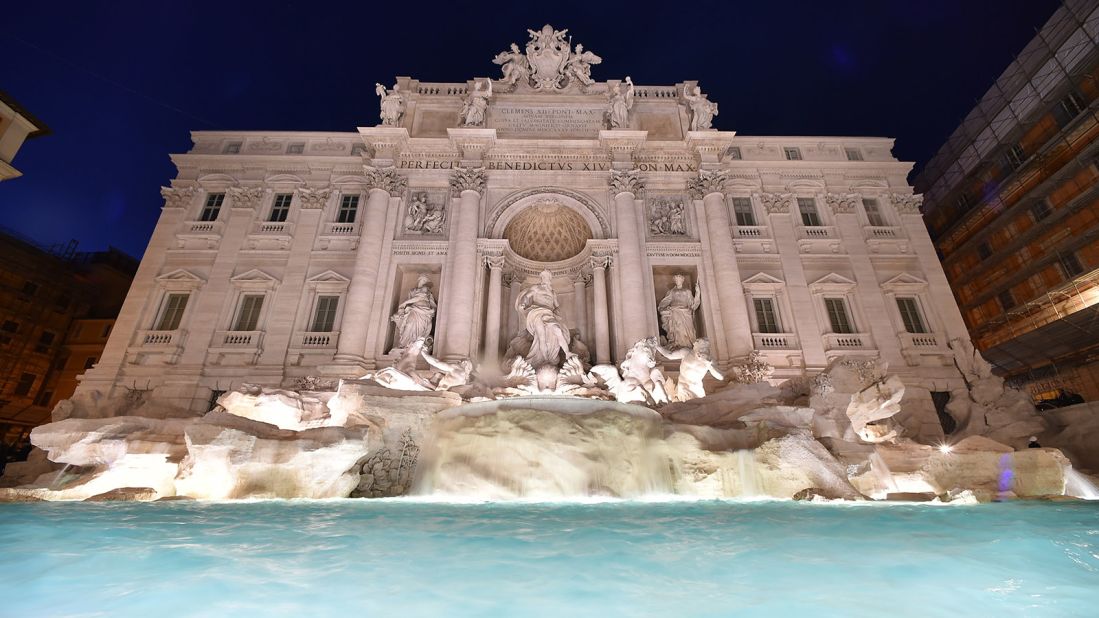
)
(402, 558)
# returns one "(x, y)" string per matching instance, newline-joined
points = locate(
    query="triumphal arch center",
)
(543, 209)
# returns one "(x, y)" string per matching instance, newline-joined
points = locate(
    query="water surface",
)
(404, 558)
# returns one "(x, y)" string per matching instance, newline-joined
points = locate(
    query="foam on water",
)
(416, 558)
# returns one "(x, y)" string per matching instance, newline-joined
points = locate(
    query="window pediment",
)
(833, 283)
(328, 281)
(762, 282)
(255, 279)
(905, 283)
(180, 280)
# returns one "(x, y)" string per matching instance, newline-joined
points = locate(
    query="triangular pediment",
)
(180, 275)
(905, 279)
(254, 276)
(833, 279)
(329, 276)
(763, 279)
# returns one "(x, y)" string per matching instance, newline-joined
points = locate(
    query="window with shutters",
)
(171, 312)
(248, 313)
(807, 206)
(1068, 108)
(742, 208)
(766, 316)
(911, 316)
(324, 317)
(349, 206)
(873, 212)
(838, 316)
(280, 208)
(212, 207)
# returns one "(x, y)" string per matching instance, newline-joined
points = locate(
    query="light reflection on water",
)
(428, 558)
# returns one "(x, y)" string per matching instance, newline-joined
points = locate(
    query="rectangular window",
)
(792, 154)
(212, 207)
(873, 212)
(231, 148)
(1007, 300)
(1040, 210)
(171, 312)
(1071, 265)
(281, 207)
(910, 314)
(248, 315)
(89, 362)
(984, 250)
(1068, 108)
(742, 207)
(765, 315)
(349, 205)
(733, 153)
(964, 203)
(808, 208)
(45, 340)
(26, 381)
(853, 154)
(295, 148)
(1014, 156)
(325, 316)
(837, 315)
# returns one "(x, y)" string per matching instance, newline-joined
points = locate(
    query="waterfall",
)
(883, 474)
(1079, 485)
(748, 473)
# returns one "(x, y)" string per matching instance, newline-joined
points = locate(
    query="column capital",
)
(907, 204)
(580, 278)
(776, 203)
(468, 179)
(245, 197)
(177, 197)
(842, 203)
(385, 178)
(707, 182)
(312, 199)
(600, 261)
(494, 262)
(627, 181)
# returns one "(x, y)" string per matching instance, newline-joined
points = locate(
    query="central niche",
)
(547, 231)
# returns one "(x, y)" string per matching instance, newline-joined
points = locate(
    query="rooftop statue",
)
(619, 106)
(703, 110)
(548, 63)
(473, 111)
(392, 105)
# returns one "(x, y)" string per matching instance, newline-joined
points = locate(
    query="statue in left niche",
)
(677, 313)
(392, 105)
(620, 104)
(414, 316)
(473, 111)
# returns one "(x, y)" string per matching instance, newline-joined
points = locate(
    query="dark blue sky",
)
(120, 83)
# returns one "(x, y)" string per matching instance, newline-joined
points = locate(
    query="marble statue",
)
(620, 104)
(579, 65)
(703, 110)
(392, 105)
(668, 218)
(639, 369)
(547, 54)
(451, 374)
(694, 363)
(677, 310)
(538, 306)
(514, 65)
(421, 217)
(415, 315)
(402, 375)
(473, 111)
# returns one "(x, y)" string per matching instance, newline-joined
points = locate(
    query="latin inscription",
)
(543, 121)
(545, 166)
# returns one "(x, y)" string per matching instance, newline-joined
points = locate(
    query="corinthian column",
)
(467, 184)
(626, 187)
(602, 323)
(580, 304)
(492, 311)
(709, 186)
(383, 182)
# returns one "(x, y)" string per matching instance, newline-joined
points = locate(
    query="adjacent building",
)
(281, 256)
(57, 307)
(16, 126)
(1012, 204)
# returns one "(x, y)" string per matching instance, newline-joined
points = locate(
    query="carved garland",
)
(776, 203)
(707, 182)
(313, 198)
(245, 197)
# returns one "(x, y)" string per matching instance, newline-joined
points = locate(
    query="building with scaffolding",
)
(1012, 204)
(57, 308)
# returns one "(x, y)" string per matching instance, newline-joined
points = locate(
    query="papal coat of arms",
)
(548, 64)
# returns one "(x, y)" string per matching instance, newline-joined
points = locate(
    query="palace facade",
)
(283, 255)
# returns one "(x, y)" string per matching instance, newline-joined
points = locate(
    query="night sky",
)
(121, 84)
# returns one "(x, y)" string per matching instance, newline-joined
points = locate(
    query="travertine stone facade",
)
(281, 255)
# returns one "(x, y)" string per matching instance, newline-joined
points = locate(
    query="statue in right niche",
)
(677, 313)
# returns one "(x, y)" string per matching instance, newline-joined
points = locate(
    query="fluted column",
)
(709, 186)
(514, 283)
(492, 311)
(467, 185)
(602, 323)
(626, 187)
(364, 280)
(580, 304)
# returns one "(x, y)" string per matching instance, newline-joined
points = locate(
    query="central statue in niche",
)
(538, 306)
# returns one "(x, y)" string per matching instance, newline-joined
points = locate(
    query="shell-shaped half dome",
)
(547, 232)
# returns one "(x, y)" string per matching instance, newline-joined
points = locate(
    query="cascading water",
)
(748, 473)
(1079, 485)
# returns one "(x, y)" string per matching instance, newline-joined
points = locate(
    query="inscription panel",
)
(512, 120)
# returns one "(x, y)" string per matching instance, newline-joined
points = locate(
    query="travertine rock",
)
(285, 409)
(125, 494)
